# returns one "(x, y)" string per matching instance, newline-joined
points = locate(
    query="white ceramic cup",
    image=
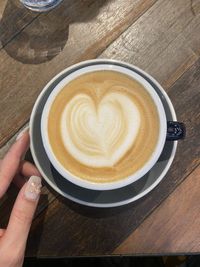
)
(161, 137)
(170, 130)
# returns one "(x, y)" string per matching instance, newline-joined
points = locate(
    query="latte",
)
(103, 126)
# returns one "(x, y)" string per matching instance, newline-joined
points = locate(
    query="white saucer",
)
(109, 198)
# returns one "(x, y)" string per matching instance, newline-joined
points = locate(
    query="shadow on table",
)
(34, 240)
(91, 196)
(44, 35)
(127, 261)
(98, 262)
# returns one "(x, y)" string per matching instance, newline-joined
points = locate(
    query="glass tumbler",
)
(40, 5)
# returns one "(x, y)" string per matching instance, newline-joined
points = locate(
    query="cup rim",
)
(85, 69)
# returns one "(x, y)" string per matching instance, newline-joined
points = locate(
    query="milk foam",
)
(99, 134)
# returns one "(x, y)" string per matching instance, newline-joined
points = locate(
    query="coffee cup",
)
(104, 126)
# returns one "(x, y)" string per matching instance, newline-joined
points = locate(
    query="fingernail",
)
(33, 188)
(22, 132)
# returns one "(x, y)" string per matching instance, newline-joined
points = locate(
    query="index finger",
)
(11, 161)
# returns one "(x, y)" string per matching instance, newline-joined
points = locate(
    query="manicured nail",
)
(22, 132)
(33, 188)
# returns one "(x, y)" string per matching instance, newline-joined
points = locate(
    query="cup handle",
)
(175, 130)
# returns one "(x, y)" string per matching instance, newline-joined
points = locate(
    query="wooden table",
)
(163, 38)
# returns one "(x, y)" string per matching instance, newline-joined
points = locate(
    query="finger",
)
(27, 169)
(2, 231)
(11, 161)
(19, 180)
(22, 213)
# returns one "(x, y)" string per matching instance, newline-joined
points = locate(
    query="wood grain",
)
(94, 23)
(164, 41)
(14, 17)
(173, 226)
(52, 42)
(78, 230)
(27, 45)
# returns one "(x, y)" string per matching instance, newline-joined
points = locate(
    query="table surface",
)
(162, 37)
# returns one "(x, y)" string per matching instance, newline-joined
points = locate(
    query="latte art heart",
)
(99, 134)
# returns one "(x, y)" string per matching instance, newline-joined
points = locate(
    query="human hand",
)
(12, 168)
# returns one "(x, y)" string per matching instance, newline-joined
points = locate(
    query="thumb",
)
(23, 212)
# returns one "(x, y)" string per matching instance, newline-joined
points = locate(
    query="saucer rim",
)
(110, 204)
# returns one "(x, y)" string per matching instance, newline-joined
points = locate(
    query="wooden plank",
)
(182, 67)
(173, 226)
(14, 17)
(165, 41)
(86, 216)
(16, 102)
(51, 43)
(78, 230)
